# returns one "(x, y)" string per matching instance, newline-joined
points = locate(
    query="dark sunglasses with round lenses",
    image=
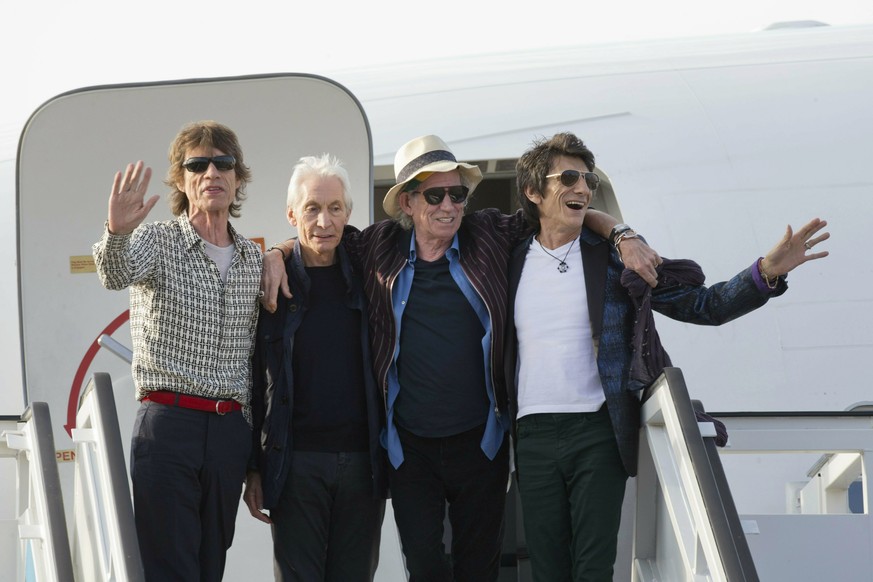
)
(435, 195)
(200, 165)
(570, 177)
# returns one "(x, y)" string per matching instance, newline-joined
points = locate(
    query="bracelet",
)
(622, 236)
(276, 247)
(765, 276)
(617, 230)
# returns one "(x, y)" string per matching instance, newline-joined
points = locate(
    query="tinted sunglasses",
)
(435, 195)
(200, 165)
(570, 177)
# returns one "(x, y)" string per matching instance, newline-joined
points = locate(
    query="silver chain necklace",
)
(563, 267)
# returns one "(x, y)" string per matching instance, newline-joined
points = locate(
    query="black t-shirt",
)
(330, 411)
(441, 366)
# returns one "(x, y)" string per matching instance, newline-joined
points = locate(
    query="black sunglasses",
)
(570, 177)
(200, 165)
(435, 195)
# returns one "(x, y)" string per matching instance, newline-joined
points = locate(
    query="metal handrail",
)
(681, 472)
(42, 529)
(116, 347)
(105, 543)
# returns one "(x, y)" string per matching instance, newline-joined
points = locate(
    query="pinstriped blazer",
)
(612, 317)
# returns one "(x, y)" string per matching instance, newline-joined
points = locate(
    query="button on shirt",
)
(192, 333)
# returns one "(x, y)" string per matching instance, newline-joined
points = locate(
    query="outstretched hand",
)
(127, 204)
(795, 248)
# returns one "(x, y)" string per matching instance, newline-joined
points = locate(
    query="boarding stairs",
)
(681, 520)
(705, 513)
(102, 544)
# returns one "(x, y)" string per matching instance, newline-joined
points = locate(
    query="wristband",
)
(276, 247)
(624, 235)
(765, 276)
(617, 231)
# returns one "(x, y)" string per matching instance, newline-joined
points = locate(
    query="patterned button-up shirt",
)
(192, 333)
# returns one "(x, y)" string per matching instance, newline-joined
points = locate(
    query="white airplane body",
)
(712, 147)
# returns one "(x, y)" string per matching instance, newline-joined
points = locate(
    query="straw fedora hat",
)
(425, 154)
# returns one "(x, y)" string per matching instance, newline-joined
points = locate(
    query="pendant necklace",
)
(563, 267)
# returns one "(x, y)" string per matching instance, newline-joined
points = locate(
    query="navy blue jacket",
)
(273, 381)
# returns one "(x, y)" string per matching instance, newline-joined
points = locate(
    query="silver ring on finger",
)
(807, 245)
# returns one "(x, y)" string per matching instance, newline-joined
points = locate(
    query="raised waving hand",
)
(127, 204)
(795, 248)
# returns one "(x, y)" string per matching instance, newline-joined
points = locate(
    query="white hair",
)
(323, 166)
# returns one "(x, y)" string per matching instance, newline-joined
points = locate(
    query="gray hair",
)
(403, 219)
(323, 166)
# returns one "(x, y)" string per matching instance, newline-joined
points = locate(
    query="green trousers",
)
(571, 482)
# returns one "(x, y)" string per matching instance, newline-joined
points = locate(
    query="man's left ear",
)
(533, 195)
(403, 202)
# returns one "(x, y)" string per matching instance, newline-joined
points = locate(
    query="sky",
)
(50, 47)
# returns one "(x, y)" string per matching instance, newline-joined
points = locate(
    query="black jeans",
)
(327, 525)
(452, 470)
(187, 468)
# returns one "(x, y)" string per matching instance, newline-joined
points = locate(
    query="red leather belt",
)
(193, 402)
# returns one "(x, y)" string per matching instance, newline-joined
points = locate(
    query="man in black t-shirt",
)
(317, 465)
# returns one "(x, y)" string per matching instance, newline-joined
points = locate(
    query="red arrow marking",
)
(79, 379)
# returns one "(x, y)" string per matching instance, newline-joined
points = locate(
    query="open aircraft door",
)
(68, 154)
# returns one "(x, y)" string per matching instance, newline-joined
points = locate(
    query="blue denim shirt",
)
(494, 431)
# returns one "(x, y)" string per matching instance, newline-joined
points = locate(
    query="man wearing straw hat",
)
(436, 281)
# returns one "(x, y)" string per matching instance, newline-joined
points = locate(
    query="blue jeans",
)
(327, 525)
(571, 482)
(452, 470)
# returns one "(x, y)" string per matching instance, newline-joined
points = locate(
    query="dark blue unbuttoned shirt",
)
(493, 437)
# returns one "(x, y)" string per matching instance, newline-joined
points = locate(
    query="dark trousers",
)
(187, 469)
(452, 470)
(327, 525)
(571, 482)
